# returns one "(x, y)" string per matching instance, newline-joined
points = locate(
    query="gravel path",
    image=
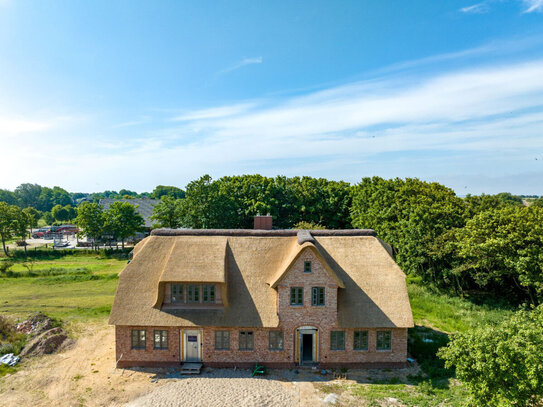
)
(221, 388)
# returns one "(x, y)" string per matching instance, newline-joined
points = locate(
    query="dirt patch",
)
(83, 375)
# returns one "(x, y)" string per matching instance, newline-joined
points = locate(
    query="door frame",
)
(184, 344)
(307, 330)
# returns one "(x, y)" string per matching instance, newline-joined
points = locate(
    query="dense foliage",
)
(501, 365)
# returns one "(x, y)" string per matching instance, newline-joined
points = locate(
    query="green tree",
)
(22, 222)
(90, 220)
(48, 218)
(33, 217)
(168, 212)
(502, 249)
(9, 197)
(122, 221)
(509, 199)
(501, 365)
(28, 194)
(60, 213)
(162, 190)
(410, 215)
(9, 215)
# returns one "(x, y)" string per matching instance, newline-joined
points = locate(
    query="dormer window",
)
(307, 267)
(193, 293)
(177, 293)
(208, 293)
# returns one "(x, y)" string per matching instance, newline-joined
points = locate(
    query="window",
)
(208, 293)
(246, 341)
(161, 339)
(317, 296)
(222, 340)
(276, 340)
(360, 340)
(307, 267)
(296, 296)
(384, 340)
(337, 340)
(177, 293)
(138, 339)
(193, 293)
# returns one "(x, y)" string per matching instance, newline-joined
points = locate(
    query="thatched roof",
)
(375, 293)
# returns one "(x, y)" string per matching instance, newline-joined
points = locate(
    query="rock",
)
(392, 400)
(45, 343)
(331, 399)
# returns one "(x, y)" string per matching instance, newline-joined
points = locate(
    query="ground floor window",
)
(276, 340)
(360, 340)
(384, 340)
(337, 340)
(138, 338)
(161, 339)
(246, 340)
(222, 340)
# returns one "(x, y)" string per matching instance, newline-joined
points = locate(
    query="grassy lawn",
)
(70, 287)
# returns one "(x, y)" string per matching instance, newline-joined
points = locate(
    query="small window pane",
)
(337, 340)
(222, 340)
(276, 340)
(360, 341)
(161, 339)
(176, 293)
(208, 293)
(317, 297)
(296, 296)
(384, 340)
(138, 339)
(193, 293)
(307, 267)
(246, 340)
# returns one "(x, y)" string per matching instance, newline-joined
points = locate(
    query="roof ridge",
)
(263, 233)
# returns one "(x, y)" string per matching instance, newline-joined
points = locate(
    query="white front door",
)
(192, 345)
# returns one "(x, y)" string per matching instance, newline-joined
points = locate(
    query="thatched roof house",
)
(345, 284)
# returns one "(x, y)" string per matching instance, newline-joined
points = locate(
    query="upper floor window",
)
(337, 340)
(246, 340)
(384, 340)
(176, 293)
(317, 296)
(161, 339)
(138, 338)
(296, 296)
(307, 267)
(222, 340)
(276, 340)
(208, 293)
(360, 340)
(193, 293)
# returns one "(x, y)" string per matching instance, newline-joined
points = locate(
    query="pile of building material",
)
(9, 359)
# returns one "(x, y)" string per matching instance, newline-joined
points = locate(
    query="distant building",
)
(143, 206)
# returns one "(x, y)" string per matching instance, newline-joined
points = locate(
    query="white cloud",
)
(533, 5)
(242, 63)
(478, 8)
(214, 113)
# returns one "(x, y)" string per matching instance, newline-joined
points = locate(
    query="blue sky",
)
(125, 94)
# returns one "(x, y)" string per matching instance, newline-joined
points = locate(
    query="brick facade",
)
(324, 318)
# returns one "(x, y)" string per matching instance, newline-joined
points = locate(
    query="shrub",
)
(501, 365)
(5, 266)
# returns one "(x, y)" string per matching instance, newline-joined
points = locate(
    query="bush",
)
(501, 365)
(5, 266)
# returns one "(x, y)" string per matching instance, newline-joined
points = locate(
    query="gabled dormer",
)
(195, 275)
(306, 283)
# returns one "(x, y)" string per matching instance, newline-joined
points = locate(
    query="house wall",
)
(242, 358)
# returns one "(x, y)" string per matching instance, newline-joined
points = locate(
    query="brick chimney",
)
(263, 222)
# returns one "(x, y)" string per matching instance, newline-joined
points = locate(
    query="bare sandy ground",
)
(83, 375)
